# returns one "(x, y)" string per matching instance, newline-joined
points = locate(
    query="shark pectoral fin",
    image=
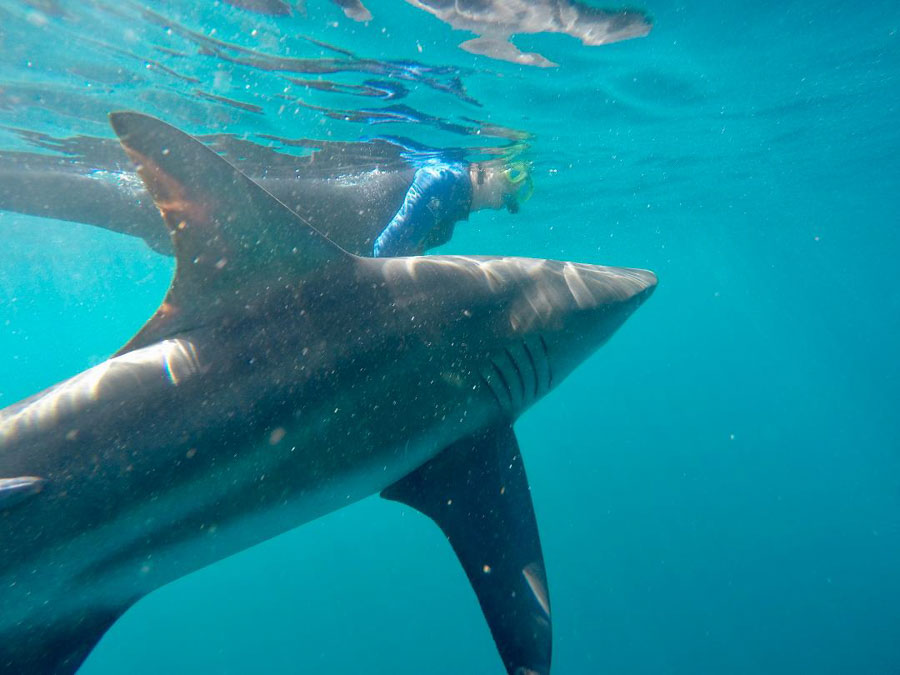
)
(477, 493)
(58, 647)
(233, 241)
(14, 490)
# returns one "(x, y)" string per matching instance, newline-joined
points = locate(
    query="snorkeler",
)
(445, 191)
(374, 198)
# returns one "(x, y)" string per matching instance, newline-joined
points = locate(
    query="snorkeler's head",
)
(497, 184)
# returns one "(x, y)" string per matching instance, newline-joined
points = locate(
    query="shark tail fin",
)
(57, 648)
(233, 241)
(476, 491)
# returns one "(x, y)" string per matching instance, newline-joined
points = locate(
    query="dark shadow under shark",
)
(280, 379)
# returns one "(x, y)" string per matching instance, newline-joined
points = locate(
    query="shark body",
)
(283, 378)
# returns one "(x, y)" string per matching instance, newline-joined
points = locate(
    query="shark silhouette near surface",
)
(283, 378)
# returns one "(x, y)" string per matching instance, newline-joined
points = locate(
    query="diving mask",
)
(518, 177)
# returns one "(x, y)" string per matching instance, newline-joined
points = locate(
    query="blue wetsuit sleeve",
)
(432, 198)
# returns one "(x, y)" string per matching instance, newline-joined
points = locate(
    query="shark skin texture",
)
(280, 379)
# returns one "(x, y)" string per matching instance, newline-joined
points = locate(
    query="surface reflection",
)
(496, 21)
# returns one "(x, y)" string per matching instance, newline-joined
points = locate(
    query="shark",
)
(280, 379)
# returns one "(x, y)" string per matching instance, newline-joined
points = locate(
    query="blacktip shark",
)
(280, 379)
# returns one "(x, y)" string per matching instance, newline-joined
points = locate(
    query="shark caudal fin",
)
(477, 493)
(233, 240)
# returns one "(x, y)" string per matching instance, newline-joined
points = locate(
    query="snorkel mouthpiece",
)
(511, 203)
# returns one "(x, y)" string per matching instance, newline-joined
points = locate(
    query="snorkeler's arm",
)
(412, 222)
(434, 198)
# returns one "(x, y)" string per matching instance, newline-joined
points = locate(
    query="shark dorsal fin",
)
(232, 239)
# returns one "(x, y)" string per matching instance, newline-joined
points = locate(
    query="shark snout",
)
(594, 286)
(591, 303)
(646, 279)
(605, 297)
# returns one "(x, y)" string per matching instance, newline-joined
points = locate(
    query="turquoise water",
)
(718, 488)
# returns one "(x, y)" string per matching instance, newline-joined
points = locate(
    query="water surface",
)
(718, 489)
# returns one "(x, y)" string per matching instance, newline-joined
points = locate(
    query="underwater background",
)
(717, 489)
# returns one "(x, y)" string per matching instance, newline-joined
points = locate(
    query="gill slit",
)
(493, 393)
(537, 377)
(518, 373)
(503, 380)
(547, 359)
